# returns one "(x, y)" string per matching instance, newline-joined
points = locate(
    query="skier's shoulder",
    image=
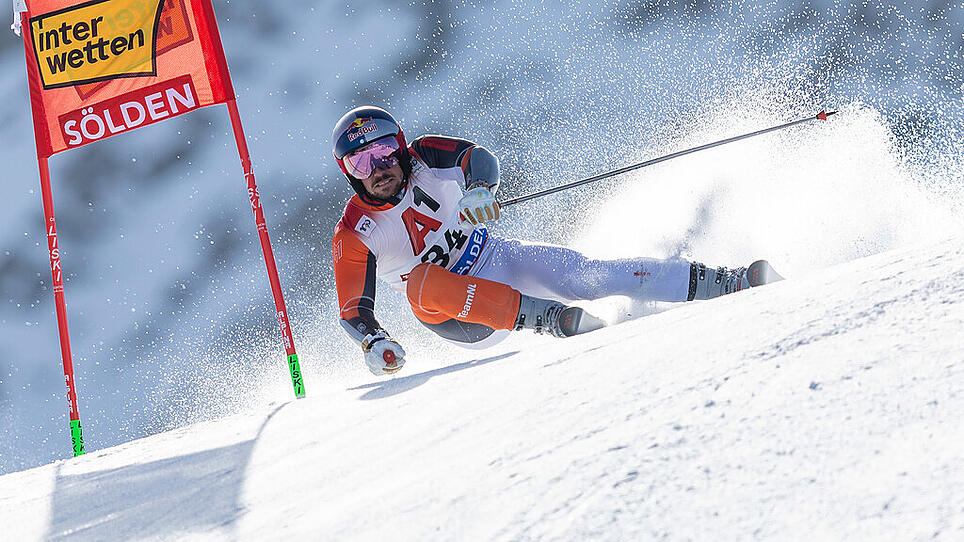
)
(356, 214)
(439, 151)
(441, 142)
(352, 240)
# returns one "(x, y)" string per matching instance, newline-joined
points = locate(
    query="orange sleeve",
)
(354, 267)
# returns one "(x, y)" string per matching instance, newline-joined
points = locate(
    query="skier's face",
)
(384, 183)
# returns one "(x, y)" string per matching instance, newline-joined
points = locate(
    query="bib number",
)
(438, 255)
(419, 225)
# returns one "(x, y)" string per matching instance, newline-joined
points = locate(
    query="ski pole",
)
(821, 115)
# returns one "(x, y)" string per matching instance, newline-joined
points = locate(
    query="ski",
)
(761, 272)
(575, 321)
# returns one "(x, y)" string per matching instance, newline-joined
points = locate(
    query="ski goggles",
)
(381, 153)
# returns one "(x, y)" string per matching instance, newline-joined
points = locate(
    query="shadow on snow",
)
(188, 493)
(395, 386)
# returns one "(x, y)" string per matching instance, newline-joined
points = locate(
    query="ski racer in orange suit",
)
(418, 222)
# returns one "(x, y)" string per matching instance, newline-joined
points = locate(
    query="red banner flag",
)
(98, 68)
(104, 67)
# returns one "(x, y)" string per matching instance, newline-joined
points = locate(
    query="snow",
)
(557, 91)
(819, 408)
(822, 407)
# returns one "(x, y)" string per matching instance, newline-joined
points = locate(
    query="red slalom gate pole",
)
(279, 302)
(56, 271)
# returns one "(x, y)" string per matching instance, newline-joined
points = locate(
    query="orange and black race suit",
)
(389, 240)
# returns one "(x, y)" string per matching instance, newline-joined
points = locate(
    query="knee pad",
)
(419, 296)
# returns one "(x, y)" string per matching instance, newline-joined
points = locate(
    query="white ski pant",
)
(563, 274)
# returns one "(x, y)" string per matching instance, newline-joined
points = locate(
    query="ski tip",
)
(824, 114)
(575, 321)
(761, 272)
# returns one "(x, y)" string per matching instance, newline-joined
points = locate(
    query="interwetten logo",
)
(96, 41)
(173, 30)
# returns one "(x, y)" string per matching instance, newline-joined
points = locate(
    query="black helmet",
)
(358, 128)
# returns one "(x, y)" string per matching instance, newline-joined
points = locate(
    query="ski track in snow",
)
(825, 407)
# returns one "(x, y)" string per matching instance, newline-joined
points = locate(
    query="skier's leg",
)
(437, 294)
(465, 334)
(561, 273)
(467, 309)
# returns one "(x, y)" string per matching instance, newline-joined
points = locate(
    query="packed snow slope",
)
(823, 407)
(167, 295)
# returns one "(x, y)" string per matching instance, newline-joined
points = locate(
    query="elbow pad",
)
(480, 166)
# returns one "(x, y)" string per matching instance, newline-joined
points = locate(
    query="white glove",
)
(479, 204)
(382, 354)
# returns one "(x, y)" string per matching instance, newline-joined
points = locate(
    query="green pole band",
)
(296, 379)
(76, 437)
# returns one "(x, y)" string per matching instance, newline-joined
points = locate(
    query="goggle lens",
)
(377, 154)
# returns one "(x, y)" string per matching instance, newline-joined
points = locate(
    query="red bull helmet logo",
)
(362, 126)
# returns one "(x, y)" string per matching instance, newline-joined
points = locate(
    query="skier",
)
(411, 224)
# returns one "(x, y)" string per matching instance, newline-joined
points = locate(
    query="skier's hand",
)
(382, 354)
(479, 204)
